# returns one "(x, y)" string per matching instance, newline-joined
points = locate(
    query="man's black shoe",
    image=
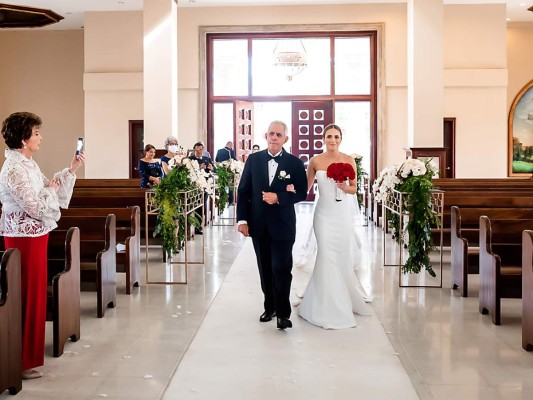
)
(284, 323)
(267, 316)
(198, 231)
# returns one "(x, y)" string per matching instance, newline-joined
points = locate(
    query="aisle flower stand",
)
(190, 201)
(396, 205)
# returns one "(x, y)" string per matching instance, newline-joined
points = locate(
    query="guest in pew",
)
(205, 164)
(149, 169)
(30, 209)
(172, 148)
(255, 148)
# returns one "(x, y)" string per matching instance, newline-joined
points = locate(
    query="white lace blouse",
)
(29, 207)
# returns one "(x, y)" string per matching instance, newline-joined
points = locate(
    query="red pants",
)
(34, 262)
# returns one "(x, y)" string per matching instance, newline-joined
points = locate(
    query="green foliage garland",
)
(225, 178)
(170, 208)
(421, 219)
(360, 173)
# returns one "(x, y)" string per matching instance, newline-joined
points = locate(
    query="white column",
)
(160, 20)
(425, 66)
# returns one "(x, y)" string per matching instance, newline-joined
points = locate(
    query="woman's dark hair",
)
(18, 127)
(255, 146)
(330, 127)
(147, 148)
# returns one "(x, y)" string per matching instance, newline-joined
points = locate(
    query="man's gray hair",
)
(279, 123)
(170, 139)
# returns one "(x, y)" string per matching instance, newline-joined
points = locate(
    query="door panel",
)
(308, 121)
(136, 145)
(449, 144)
(243, 112)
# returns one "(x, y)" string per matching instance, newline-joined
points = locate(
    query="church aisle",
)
(235, 356)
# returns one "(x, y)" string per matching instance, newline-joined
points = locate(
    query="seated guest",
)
(149, 169)
(171, 146)
(204, 161)
(206, 164)
(255, 148)
(227, 153)
(206, 153)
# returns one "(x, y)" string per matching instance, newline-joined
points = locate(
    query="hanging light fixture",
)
(289, 57)
(13, 16)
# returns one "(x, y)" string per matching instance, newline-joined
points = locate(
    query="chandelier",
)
(289, 57)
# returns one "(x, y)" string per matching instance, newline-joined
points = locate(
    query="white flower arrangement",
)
(235, 167)
(385, 183)
(199, 177)
(413, 167)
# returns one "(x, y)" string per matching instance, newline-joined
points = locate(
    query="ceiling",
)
(73, 10)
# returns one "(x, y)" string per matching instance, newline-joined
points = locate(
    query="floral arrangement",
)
(228, 174)
(184, 174)
(412, 177)
(387, 181)
(340, 172)
(360, 172)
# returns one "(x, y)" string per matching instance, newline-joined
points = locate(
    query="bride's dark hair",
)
(330, 127)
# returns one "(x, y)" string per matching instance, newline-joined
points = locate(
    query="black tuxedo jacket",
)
(225, 154)
(278, 219)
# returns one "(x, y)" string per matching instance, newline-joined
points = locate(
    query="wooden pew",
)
(10, 323)
(527, 290)
(108, 183)
(465, 239)
(97, 256)
(500, 262)
(63, 306)
(128, 230)
(449, 184)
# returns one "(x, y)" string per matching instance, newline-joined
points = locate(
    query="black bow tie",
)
(275, 158)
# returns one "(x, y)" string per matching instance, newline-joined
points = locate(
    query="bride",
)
(332, 296)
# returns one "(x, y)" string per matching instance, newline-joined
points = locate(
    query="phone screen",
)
(79, 147)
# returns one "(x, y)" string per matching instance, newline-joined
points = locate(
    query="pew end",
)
(10, 323)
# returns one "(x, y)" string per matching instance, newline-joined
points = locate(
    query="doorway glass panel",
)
(354, 120)
(269, 79)
(230, 67)
(222, 125)
(352, 65)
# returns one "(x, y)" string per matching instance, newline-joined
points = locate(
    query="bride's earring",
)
(25, 147)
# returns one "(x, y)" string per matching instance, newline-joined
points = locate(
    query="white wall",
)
(41, 72)
(113, 83)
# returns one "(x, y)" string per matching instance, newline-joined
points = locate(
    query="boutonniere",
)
(283, 175)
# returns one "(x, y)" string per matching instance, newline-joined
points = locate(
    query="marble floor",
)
(433, 336)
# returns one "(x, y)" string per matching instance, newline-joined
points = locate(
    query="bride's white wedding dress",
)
(333, 295)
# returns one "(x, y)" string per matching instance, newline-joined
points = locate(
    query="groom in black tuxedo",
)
(265, 211)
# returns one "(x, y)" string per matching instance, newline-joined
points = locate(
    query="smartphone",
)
(79, 147)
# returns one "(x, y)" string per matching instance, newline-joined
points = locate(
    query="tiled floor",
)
(446, 347)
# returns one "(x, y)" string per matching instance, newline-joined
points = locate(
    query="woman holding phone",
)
(30, 209)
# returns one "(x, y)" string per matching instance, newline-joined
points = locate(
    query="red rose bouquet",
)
(340, 172)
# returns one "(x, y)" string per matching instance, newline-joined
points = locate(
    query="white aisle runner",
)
(235, 356)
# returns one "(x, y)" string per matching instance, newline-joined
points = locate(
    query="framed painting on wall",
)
(521, 133)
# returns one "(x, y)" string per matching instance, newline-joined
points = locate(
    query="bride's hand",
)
(290, 188)
(342, 186)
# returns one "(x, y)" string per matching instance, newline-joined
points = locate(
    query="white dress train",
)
(333, 296)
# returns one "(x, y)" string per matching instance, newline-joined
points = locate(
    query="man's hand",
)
(270, 197)
(243, 228)
(290, 188)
